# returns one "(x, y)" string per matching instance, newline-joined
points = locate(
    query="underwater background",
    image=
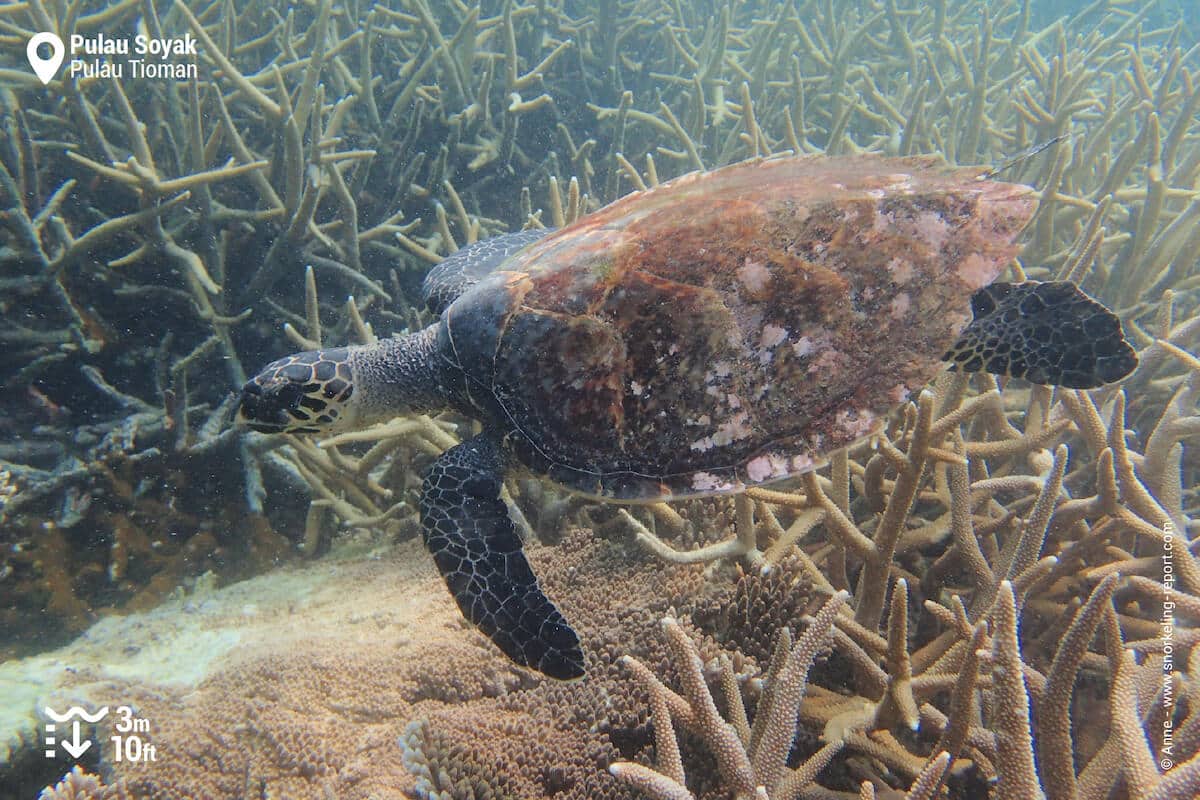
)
(262, 608)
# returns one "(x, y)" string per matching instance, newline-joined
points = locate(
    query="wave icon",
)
(76, 711)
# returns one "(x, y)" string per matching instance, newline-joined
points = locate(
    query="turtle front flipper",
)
(476, 547)
(1045, 332)
(460, 271)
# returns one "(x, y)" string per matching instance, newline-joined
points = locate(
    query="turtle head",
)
(302, 393)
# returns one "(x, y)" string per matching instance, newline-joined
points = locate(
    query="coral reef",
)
(202, 202)
(79, 785)
(750, 760)
(157, 233)
(301, 682)
(971, 559)
(157, 239)
(291, 681)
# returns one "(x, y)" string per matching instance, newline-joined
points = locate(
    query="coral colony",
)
(972, 604)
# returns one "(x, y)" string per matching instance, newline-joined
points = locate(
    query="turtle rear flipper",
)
(458, 272)
(1045, 332)
(476, 547)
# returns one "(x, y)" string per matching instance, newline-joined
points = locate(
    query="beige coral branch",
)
(1010, 706)
(757, 768)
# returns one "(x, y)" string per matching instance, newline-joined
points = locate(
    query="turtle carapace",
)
(719, 331)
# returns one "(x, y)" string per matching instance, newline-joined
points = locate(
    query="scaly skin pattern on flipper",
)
(730, 328)
(467, 529)
(463, 269)
(1044, 332)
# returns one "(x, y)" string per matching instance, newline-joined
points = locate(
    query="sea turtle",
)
(721, 330)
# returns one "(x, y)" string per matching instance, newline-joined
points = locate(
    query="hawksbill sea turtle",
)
(722, 330)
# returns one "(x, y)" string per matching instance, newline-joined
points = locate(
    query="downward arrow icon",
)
(75, 747)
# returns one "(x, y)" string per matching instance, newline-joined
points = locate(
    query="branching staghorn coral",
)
(750, 760)
(747, 757)
(366, 141)
(1057, 545)
(162, 222)
(1004, 744)
(290, 149)
(1051, 491)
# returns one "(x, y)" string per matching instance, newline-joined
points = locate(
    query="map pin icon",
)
(45, 67)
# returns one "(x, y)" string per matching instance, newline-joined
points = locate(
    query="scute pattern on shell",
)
(732, 327)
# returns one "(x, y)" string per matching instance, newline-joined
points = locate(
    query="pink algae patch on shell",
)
(818, 347)
(932, 229)
(901, 304)
(766, 467)
(775, 466)
(900, 269)
(706, 482)
(772, 335)
(827, 360)
(754, 275)
(957, 322)
(736, 428)
(803, 347)
(856, 422)
(977, 271)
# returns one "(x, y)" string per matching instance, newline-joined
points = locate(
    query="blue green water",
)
(189, 191)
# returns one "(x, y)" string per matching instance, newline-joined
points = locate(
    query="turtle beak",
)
(267, 409)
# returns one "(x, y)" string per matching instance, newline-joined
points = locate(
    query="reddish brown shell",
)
(733, 327)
